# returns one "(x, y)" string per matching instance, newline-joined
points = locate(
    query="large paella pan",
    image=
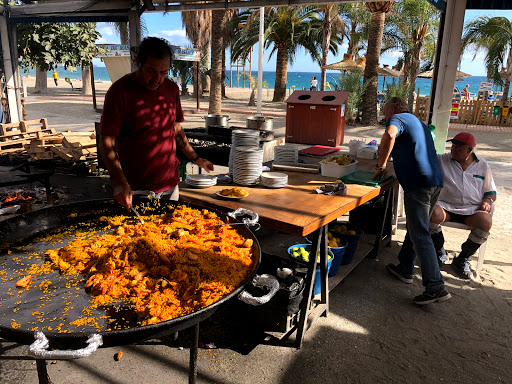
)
(55, 299)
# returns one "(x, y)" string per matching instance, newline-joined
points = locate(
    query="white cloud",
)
(175, 37)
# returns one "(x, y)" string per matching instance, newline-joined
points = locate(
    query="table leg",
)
(319, 244)
(192, 367)
(385, 224)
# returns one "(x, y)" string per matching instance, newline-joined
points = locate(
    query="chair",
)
(456, 94)
(481, 250)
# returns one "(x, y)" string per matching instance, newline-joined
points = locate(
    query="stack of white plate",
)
(201, 181)
(286, 154)
(242, 138)
(247, 165)
(274, 179)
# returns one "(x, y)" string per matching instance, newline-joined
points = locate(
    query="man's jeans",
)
(419, 205)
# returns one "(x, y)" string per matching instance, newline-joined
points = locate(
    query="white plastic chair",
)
(481, 250)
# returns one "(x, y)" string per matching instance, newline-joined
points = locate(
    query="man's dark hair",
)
(153, 47)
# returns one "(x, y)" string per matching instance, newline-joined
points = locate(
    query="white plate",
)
(231, 197)
(274, 175)
(202, 178)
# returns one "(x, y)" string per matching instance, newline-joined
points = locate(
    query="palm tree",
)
(286, 29)
(355, 16)
(198, 29)
(378, 10)
(219, 21)
(414, 24)
(494, 36)
(331, 22)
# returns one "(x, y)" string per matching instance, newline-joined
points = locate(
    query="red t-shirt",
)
(142, 121)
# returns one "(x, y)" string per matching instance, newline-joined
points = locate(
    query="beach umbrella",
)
(347, 64)
(389, 72)
(429, 74)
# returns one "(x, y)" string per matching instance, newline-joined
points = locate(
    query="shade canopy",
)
(459, 75)
(347, 64)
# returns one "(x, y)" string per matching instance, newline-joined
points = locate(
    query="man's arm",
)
(387, 143)
(185, 147)
(122, 190)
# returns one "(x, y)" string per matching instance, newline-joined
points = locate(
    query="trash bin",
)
(316, 117)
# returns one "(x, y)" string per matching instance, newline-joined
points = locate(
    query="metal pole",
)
(260, 61)
(192, 367)
(94, 105)
(9, 76)
(197, 85)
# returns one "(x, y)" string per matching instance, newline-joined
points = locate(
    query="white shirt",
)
(314, 82)
(464, 190)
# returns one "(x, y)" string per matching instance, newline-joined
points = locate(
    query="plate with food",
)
(235, 193)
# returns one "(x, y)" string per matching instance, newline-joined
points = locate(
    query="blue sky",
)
(169, 26)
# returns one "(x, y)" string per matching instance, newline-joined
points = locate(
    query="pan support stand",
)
(192, 368)
(42, 373)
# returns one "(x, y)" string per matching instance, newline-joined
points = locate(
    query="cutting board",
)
(318, 150)
(363, 178)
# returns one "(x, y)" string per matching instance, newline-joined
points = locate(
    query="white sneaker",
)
(442, 256)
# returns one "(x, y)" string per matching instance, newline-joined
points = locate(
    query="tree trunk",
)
(326, 41)
(415, 66)
(123, 33)
(41, 85)
(370, 71)
(207, 81)
(86, 81)
(215, 106)
(223, 77)
(281, 74)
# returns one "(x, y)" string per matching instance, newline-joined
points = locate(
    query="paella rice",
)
(173, 265)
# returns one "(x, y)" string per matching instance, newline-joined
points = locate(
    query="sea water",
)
(294, 81)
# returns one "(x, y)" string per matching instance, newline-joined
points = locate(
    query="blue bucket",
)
(307, 247)
(338, 253)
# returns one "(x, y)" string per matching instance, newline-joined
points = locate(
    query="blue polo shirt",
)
(414, 155)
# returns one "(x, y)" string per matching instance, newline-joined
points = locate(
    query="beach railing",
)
(476, 112)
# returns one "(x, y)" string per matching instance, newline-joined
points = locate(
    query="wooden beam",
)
(71, 8)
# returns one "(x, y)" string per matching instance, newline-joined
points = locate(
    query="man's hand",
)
(205, 164)
(485, 205)
(380, 174)
(123, 194)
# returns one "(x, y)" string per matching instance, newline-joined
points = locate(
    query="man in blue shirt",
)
(419, 173)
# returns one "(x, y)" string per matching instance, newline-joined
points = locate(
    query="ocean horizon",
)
(295, 80)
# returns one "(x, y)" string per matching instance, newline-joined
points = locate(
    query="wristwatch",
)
(379, 168)
(195, 158)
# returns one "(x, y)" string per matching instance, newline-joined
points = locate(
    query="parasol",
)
(389, 72)
(347, 64)
(459, 75)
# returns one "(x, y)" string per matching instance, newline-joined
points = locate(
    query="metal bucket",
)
(217, 120)
(262, 123)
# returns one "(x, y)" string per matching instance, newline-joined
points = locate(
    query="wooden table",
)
(297, 209)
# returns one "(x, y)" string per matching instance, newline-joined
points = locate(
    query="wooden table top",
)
(296, 209)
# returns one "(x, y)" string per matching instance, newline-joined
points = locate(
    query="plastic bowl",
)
(307, 247)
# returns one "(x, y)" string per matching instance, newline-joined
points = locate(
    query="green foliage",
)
(183, 70)
(45, 45)
(351, 82)
(400, 90)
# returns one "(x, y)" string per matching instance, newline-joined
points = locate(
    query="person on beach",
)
(140, 128)
(467, 197)
(55, 77)
(465, 92)
(314, 83)
(419, 173)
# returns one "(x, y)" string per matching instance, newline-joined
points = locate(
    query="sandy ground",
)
(373, 334)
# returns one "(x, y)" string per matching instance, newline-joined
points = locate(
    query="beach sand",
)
(373, 334)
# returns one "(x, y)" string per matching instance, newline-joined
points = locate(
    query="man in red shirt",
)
(140, 128)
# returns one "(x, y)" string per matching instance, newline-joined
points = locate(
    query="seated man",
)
(467, 197)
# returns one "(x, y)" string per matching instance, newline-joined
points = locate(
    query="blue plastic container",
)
(339, 253)
(307, 247)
